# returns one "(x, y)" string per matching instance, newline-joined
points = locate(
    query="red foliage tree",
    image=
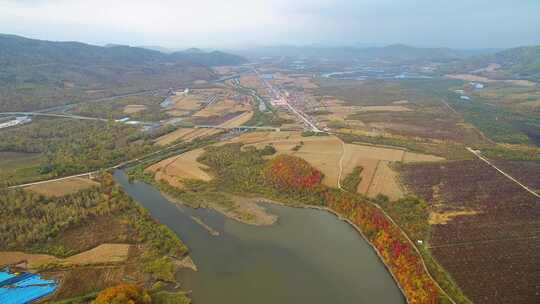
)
(286, 172)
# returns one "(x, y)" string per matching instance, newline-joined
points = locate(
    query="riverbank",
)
(284, 261)
(245, 210)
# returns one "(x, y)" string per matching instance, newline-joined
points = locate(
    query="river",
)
(308, 256)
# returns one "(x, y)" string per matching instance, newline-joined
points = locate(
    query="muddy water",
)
(308, 256)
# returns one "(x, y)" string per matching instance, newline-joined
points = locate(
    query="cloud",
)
(218, 22)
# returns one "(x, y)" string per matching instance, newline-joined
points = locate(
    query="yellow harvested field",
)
(132, 109)
(173, 136)
(384, 109)
(399, 102)
(102, 254)
(34, 260)
(327, 153)
(238, 120)
(442, 218)
(223, 107)
(184, 166)
(187, 103)
(178, 113)
(411, 157)
(62, 187)
(385, 181)
(188, 134)
(368, 172)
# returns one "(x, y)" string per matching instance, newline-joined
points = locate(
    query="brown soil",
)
(93, 233)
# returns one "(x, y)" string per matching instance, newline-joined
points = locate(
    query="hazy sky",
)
(231, 23)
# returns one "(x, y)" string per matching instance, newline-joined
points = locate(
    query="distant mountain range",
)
(519, 63)
(20, 50)
(394, 53)
(37, 74)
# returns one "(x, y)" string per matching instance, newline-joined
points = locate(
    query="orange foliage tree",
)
(123, 294)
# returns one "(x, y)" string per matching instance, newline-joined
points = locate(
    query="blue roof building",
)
(23, 288)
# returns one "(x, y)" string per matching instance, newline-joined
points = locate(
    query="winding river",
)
(308, 256)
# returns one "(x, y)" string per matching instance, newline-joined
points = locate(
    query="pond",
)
(307, 256)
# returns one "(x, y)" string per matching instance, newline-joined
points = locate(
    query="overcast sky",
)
(233, 23)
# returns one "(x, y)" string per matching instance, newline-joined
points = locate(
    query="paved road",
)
(479, 155)
(53, 115)
(238, 127)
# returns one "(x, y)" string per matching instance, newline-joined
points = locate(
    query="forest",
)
(72, 146)
(31, 221)
(36, 224)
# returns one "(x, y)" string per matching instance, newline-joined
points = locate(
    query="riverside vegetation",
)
(247, 171)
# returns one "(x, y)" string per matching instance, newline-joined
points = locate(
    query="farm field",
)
(63, 187)
(485, 228)
(526, 172)
(132, 109)
(102, 254)
(189, 134)
(411, 109)
(327, 152)
(183, 166)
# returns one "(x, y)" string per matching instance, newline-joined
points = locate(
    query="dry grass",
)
(222, 107)
(173, 136)
(323, 152)
(411, 157)
(63, 187)
(102, 254)
(184, 166)
(442, 218)
(132, 109)
(385, 181)
(186, 103)
(384, 109)
(34, 260)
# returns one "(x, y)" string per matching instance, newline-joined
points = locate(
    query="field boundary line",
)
(341, 164)
(372, 178)
(477, 154)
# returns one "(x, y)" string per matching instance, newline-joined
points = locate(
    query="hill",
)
(520, 63)
(398, 53)
(38, 74)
